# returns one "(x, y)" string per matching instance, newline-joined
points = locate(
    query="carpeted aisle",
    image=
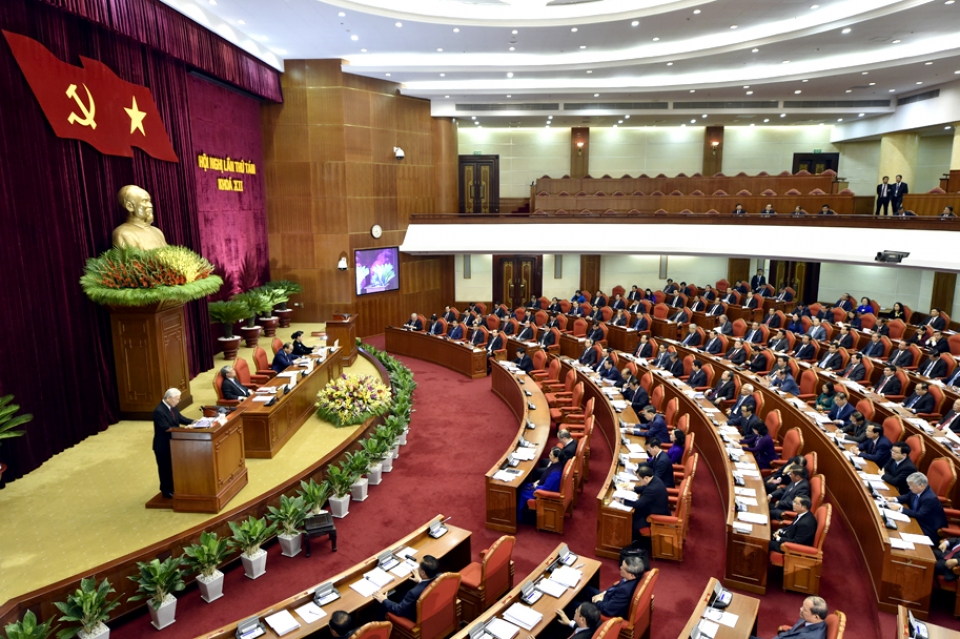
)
(459, 430)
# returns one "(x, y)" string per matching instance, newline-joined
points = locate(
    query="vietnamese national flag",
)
(91, 103)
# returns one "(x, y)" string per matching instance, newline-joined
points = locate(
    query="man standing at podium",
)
(165, 417)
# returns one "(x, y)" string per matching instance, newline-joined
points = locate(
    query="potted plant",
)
(386, 438)
(90, 607)
(314, 495)
(227, 314)
(8, 422)
(358, 464)
(289, 288)
(204, 560)
(254, 303)
(157, 581)
(29, 628)
(289, 517)
(376, 450)
(271, 297)
(248, 535)
(340, 483)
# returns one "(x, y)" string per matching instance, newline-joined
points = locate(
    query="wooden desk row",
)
(456, 356)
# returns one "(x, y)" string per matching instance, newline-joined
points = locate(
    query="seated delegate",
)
(407, 607)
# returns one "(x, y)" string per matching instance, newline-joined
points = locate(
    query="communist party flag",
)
(91, 103)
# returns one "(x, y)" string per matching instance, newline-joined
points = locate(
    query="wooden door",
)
(479, 183)
(815, 163)
(802, 277)
(516, 278)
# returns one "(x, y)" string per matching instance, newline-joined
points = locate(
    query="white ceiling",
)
(781, 49)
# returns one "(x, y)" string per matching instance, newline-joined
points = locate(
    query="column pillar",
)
(898, 156)
(953, 184)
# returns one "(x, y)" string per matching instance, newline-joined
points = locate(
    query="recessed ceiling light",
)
(635, 23)
(753, 124)
(892, 91)
(696, 12)
(456, 29)
(439, 50)
(754, 50)
(589, 70)
(683, 126)
(656, 39)
(614, 126)
(693, 121)
(446, 96)
(949, 2)
(860, 115)
(804, 80)
(816, 6)
(596, 95)
(398, 24)
(871, 84)
(766, 119)
(363, 50)
(746, 86)
(786, 62)
(583, 46)
(839, 119)
(783, 115)
(473, 117)
(846, 31)
(849, 91)
(920, 82)
(509, 96)
(573, 29)
(896, 42)
(749, 92)
(443, 75)
(342, 14)
(513, 48)
(549, 117)
(240, 22)
(669, 64)
(619, 121)
(864, 73)
(704, 115)
(733, 26)
(354, 37)
(387, 74)
(514, 32)
(693, 90)
(928, 63)
(956, 73)
(626, 117)
(797, 92)
(510, 74)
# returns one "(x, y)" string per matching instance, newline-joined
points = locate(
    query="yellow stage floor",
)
(85, 506)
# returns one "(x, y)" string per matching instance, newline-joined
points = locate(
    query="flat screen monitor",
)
(378, 270)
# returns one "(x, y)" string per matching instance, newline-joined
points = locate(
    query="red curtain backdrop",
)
(233, 228)
(59, 208)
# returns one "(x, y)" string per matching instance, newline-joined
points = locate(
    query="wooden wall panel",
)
(590, 273)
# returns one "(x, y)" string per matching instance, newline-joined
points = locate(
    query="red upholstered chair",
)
(670, 412)
(554, 398)
(575, 421)
(646, 381)
(540, 318)
(917, 448)
(661, 310)
(276, 344)
(262, 364)
(587, 309)
(493, 322)
(836, 621)
(562, 324)
(936, 414)
(867, 409)
(587, 295)
(438, 611)
(722, 285)
(483, 582)
(656, 397)
(708, 369)
(482, 307)
(245, 377)
(683, 423)
(565, 306)
(218, 389)
(897, 327)
(772, 419)
(553, 507)
(689, 466)
(552, 374)
(792, 446)
(637, 625)
(609, 629)
(667, 532)
(373, 630)
(802, 564)
(520, 313)
(739, 327)
(571, 406)
(579, 327)
(818, 490)
(456, 313)
(942, 475)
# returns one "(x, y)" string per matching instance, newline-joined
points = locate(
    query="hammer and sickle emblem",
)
(88, 114)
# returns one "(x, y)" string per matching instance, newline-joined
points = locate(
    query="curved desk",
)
(898, 576)
(519, 393)
(456, 356)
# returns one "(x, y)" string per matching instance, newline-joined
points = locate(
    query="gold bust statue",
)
(137, 230)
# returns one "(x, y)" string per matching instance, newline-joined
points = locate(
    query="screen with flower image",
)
(377, 270)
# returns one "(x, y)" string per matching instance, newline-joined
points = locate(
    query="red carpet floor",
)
(459, 429)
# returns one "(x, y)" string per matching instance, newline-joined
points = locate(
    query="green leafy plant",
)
(340, 480)
(290, 515)
(376, 449)
(227, 314)
(250, 534)
(277, 296)
(357, 463)
(314, 495)
(7, 420)
(205, 557)
(89, 606)
(288, 287)
(157, 579)
(29, 628)
(257, 304)
(134, 277)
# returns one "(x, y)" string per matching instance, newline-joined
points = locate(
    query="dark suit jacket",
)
(233, 389)
(751, 302)
(436, 328)
(900, 358)
(645, 351)
(508, 329)
(881, 450)
(612, 373)
(697, 306)
(456, 333)
(620, 321)
(842, 413)
(417, 326)
(846, 341)
(713, 346)
(654, 500)
(526, 333)
(596, 335)
(164, 419)
(300, 349)
(804, 351)
(723, 390)
(890, 387)
(928, 512)
(783, 496)
(873, 349)
(725, 329)
(654, 428)
(938, 323)
(640, 324)
(408, 605)
(757, 281)
(896, 475)
(679, 317)
(939, 368)
(616, 598)
(525, 364)
(496, 344)
(779, 345)
(600, 301)
(802, 531)
(677, 368)
(449, 316)
(716, 309)
(692, 339)
(639, 399)
(618, 304)
(789, 385)
(943, 346)
(588, 357)
(736, 356)
(832, 362)
(951, 419)
(801, 630)
(923, 404)
(568, 452)
(697, 378)
(773, 321)
(547, 339)
(856, 373)
(281, 361)
(753, 336)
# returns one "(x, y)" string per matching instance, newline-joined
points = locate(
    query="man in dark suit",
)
(495, 343)
(936, 320)
(831, 360)
(634, 294)
(725, 326)
(477, 337)
(947, 555)
(576, 310)
(896, 471)
(586, 620)
(231, 388)
(901, 356)
(772, 320)
(731, 297)
(922, 504)
(855, 370)
(817, 331)
(610, 372)
(856, 428)
(715, 309)
(618, 303)
(842, 409)
(671, 287)
(621, 318)
(600, 299)
(723, 390)
(784, 381)
(934, 367)
(877, 447)
(607, 357)
(845, 338)
(713, 346)
(801, 530)
(754, 335)
(456, 331)
(735, 412)
(596, 332)
(615, 600)
(778, 343)
(844, 302)
(165, 417)
(874, 348)
(652, 424)
(341, 625)
(679, 317)
(448, 314)
(921, 401)
(523, 361)
(747, 420)
(414, 322)
(698, 376)
(900, 189)
(653, 498)
(751, 300)
(663, 359)
(696, 304)
(640, 323)
(407, 607)
(781, 500)
(757, 280)
(889, 383)
(737, 355)
(811, 623)
(937, 342)
(283, 359)
(954, 378)
(783, 295)
(741, 287)
(547, 338)
(634, 393)
(804, 350)
(674, 365)
(659, 461)
(589, 355)
(952, 419)
(644, 348)
(436, 326)
(884, 193)
(528, 331)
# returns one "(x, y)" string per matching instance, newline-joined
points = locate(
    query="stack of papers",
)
(378, 576)
(742, 528)
(895, 515)
(626, 495)
(745, 492)
(311, 612)
(726, 618)
(616, 505)
(504, 475)
(404, 568)
(522, 615)
(752, 518)
(502, 629)
(262, 398)
(567, 576)
(708, 628)
(900, 544)
(525, 454)
(749, 473)
(923, 540)
(635, 448)
(551, 587)
(282, 622)
(364, 587)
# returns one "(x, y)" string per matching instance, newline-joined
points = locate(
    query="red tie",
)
(953, 552)
(947, 420)
(882, 384)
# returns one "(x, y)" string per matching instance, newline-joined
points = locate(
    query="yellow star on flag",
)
(136, 117)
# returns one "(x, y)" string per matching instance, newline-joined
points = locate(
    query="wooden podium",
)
(343, 327)
(150, 356)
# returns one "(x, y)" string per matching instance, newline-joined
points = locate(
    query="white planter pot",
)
(256, 565)
(387, 464)
(165, 615)
(358, 491)
(211, 588)
(402, 439)
(291, 544)
(340, 506)
(375, 476)
(395, 451)
(102, 631)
